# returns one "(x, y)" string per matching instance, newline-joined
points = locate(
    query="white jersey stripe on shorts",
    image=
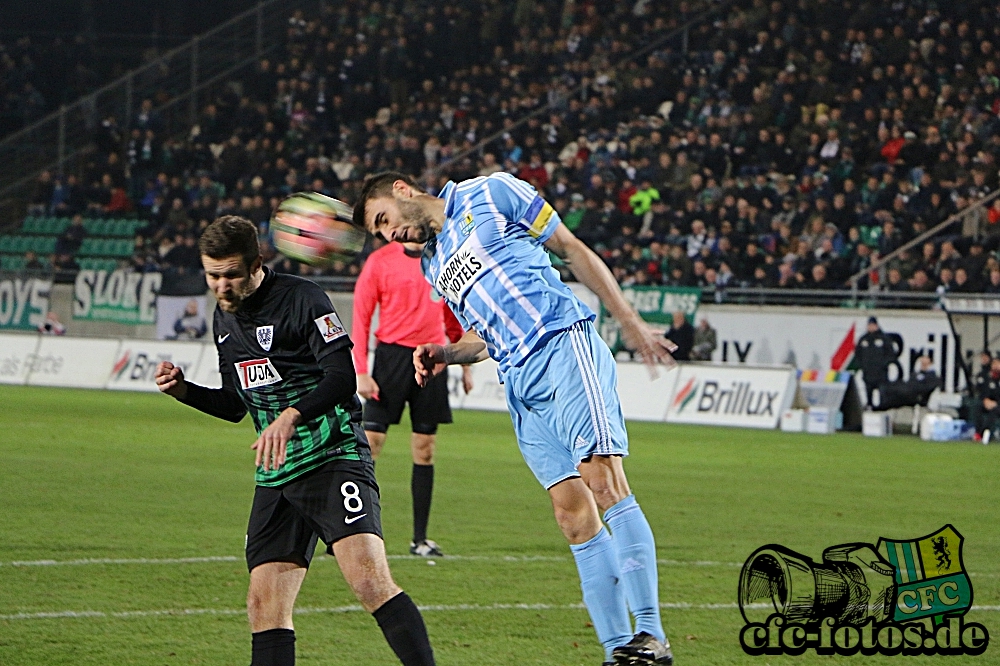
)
(587, 388)
(588, 359)
(592, 390)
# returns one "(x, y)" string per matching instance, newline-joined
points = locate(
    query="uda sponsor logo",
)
(257, 373)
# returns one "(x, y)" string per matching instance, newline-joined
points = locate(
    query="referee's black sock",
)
(274, 647)
(421, 487)
(404, 630)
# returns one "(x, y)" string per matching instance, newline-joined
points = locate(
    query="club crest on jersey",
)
(257, 373)
(460, 273)
(330, 327)
(265, 336)
(467, 224)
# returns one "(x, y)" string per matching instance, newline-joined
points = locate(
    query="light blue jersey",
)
(488, 261)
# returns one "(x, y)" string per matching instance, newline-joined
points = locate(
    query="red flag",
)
(844, 352)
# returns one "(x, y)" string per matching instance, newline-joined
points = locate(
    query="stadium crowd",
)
(36, 75)
(771, 153)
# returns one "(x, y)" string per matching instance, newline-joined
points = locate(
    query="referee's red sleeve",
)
(366, 294)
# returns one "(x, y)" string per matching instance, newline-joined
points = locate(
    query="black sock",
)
(274, 647)
(404, 630)
(421, 487)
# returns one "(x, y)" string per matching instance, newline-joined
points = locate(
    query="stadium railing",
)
(830, 298)
(976, 209)
(678, 37)
(175, 81)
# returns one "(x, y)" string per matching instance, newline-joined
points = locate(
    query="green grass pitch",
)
(120, 477)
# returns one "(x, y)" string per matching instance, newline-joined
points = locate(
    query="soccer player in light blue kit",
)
(486, 240)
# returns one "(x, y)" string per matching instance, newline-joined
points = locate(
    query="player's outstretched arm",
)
(223, 403)
(588, 268)
(431, 360)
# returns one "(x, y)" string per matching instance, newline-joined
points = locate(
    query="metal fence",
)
(831, 298)
(178, 83)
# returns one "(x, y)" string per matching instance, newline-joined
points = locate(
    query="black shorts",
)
(331, 502)
(393, 372)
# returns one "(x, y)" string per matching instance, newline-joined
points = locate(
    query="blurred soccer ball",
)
(316, 229)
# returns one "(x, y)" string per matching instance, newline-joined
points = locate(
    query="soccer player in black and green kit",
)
(285, 358)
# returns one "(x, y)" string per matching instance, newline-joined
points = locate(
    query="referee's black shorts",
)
(334, 501)
(393, 372)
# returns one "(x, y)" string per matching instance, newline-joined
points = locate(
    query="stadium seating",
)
(763, 128)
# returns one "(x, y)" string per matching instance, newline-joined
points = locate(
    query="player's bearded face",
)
(230, 280)
(415, 222)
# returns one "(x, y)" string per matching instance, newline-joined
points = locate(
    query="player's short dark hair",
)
(375, 186)
(229, 235)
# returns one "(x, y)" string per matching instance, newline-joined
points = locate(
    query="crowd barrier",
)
(700, 393)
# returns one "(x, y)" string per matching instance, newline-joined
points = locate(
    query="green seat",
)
(60, 224)
(29, 225)
(87, 247)
(12, 262)
(22, 244)
(6, 242)
(45, 244)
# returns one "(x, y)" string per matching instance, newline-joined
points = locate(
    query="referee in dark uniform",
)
(285, 358)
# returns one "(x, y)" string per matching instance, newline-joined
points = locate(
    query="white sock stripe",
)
(587, 389)
(588, 362)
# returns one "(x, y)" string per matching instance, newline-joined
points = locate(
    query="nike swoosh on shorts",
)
(354, 518)
(222, 338)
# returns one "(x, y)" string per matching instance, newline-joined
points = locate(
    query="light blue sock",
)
(602, 594)
(632, 540)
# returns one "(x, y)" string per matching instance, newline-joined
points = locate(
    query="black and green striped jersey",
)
(272, 347)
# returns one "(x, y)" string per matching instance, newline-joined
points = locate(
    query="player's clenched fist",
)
(170, 380)
(428, 361)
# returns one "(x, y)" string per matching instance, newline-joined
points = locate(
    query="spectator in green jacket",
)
(642, 200)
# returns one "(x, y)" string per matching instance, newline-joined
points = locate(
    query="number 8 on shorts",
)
(352, 498)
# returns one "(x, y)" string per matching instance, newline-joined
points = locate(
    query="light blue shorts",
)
(563, 401)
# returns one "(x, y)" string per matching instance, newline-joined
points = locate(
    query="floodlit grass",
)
(103, 475)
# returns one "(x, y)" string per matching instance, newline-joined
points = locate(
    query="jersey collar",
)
(448, 194)
(255, 299)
